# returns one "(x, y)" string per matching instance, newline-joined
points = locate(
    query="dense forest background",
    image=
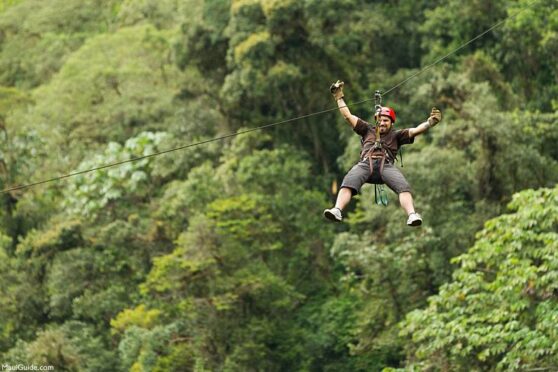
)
(217, 258)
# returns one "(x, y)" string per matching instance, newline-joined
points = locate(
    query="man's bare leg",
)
(343, 198)
(406, 201)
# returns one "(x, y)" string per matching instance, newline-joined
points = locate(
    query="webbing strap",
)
(380, 191)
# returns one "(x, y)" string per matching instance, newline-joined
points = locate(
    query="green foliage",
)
(184, 199)
(5, 4)
(51, 348)
(8, 293)
(217, 257)
(114, 87)
(156, 349)
(38, 37)
(71, 347)
(499, 310)
(234, 262)
(388, 279)
(162, 14)
(61, 273)
(523, 47)
(138, 316)
(530, 41)
(9, 98)
(93, 191)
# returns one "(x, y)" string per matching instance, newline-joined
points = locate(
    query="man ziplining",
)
(377, 156)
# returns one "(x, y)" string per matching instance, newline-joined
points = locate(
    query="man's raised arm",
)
(434, 118)
(337, 92)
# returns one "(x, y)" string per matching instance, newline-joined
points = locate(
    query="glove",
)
(337, 89)
(435, 117)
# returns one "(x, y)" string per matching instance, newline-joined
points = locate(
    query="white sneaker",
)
(333, 214)
(414, 219)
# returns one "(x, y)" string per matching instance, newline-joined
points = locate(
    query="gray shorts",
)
(360, 174)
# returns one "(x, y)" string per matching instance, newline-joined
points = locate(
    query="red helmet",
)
(387, 111)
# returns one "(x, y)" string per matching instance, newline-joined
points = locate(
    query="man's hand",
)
(337, 89)
(435, 117)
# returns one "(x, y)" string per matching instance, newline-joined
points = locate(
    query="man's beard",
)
(384, 130)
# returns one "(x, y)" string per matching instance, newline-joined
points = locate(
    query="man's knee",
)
(348, 190)
(395, 180)
(405, 194)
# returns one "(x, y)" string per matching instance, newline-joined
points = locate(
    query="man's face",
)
(385, 124)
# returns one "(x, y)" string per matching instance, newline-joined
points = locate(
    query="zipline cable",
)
(169, 150)
(58, 178)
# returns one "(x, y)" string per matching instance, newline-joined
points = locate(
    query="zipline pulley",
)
(378, 102)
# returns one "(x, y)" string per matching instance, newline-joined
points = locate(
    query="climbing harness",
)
(374, 158)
